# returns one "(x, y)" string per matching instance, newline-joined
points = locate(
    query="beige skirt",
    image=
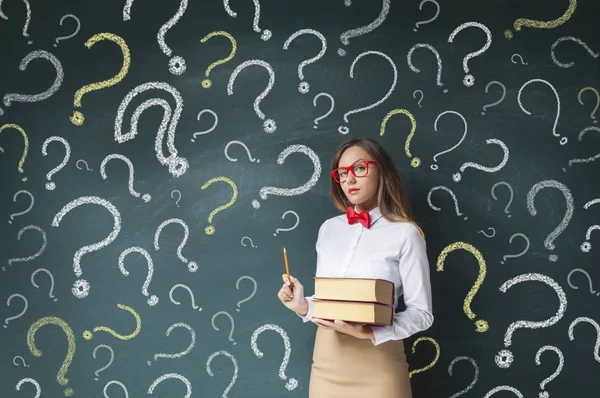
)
(346, 367)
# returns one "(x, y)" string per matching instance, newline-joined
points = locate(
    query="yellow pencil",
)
(287, 268)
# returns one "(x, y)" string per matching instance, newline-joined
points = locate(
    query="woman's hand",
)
(351, 328)
(291, 295)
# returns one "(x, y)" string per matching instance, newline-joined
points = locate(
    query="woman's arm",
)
(415, 279)
(309, 299)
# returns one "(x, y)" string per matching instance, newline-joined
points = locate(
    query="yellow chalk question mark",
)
(437, 354)
(530, 23)
(416, 161)
(78, 118)
(211, 229)
(206, 83)
(52, 320)
(481, 325)
(25, 149)
(597, 100)
(138, 326)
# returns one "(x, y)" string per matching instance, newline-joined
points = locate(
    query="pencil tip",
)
(283, 248)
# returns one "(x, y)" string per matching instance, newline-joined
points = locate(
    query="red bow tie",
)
(362, 217)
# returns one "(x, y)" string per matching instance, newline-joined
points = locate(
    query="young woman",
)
(374, 238)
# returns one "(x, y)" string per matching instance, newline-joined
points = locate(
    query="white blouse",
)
(394, 251)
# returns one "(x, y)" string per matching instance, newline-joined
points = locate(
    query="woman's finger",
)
(316, 322)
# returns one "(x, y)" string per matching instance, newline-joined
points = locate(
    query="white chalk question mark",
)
(574, 39)
(469, 79)
(563, 140)
(20, 314)
(179, 198)
(511, 195)
(345, 37)
(269, 125)
(251, 243)
(250, 158)
(492, 234)
(214, 126)
(49, 92)
(81, 287)
(84, 162)
(579, 137)
(112, 357)
(292, 227)
(316, 121)
(266, 34)
(22, 359)
(291, 383)
(176, 63)
(13, 215)
(458, 213)
(438, 79)
(264, 191)
(35, 255)
(44, 270)
(549, 241)
(435, 166)
(27, 18)
(505, 357)
(50, 185)
(38, 390)
(589, 278)
(512, 59)
(518, 254)
(235, 369)
(587, 245)
(475, 376)
(145, 197)
(212, 321)
(118, 383)
(457, 176)
(152, 300)
(420, 99)
(176, 376)
(561, 363)
(437, 12)
(187, 288)
(191, 265)
(184, 352)
(497, 102)
(503, 388)
(177, 165)
(304, 87)
(344, 129)
(72, 34)
(237, 286)
(595, 325)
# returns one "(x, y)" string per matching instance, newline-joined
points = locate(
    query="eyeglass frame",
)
(350, 169)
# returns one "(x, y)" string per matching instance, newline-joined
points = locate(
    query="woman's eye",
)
(359, 168)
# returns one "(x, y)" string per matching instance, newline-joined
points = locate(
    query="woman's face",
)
(360, 191)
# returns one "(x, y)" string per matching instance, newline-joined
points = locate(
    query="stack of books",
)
(361, 300)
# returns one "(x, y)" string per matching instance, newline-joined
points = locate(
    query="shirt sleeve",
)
(309, 314)
(415, 279)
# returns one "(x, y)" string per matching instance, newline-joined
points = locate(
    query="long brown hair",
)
(392, 196)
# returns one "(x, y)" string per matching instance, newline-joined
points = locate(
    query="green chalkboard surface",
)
(158, 155)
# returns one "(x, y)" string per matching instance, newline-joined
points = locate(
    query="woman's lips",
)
(353, 190)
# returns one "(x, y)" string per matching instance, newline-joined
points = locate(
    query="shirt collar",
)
(374, 214)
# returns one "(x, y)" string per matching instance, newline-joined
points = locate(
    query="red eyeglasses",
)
(359, 169)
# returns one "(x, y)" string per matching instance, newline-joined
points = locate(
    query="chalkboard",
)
(157, 156)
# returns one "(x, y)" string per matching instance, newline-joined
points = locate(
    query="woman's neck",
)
(365, 207)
